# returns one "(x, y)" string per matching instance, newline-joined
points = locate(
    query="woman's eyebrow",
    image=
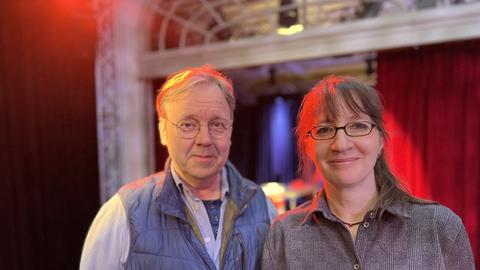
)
(357, 116)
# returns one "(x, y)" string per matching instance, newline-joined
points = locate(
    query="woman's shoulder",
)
(432, 208)
(440, 215)
(447, 228)
(294, 216)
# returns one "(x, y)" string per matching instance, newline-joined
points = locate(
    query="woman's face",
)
(345, 161)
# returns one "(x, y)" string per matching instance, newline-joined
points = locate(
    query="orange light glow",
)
(401, 149)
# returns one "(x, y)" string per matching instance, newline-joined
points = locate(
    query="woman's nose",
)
(341, 141)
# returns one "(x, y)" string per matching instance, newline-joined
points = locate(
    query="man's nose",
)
(203, 136)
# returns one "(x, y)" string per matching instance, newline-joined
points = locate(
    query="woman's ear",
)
(310, 149)
(380, 149)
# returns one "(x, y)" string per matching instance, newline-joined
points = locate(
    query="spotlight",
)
(288, 19)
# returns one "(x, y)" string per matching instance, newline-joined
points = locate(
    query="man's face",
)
(202, 157)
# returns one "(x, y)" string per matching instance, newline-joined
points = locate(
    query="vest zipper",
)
(188, 232)
(242, 251)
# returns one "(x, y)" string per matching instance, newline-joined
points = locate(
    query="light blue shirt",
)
(197, 208)
(108, 240)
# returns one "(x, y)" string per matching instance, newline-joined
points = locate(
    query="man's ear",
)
(162, 132)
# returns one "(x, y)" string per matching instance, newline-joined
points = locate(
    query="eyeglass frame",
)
(309, 133)
(228, 126)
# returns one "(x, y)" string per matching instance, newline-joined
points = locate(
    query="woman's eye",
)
(359, 126)
(323, 130)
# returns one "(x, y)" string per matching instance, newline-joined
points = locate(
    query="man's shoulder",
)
(145, 184)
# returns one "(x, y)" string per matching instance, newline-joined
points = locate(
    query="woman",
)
(362, 219)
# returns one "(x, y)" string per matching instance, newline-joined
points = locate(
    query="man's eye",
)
(218, 125)
(188, 125)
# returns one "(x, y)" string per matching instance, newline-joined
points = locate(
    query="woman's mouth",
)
(343, 161)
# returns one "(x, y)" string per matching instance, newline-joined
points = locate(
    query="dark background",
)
(48, 148)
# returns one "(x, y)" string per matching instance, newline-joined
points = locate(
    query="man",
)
(199, 213)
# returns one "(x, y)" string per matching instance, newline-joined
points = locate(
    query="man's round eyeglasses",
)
(352, 129)
(189, 128)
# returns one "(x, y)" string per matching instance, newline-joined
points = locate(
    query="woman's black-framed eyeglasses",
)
(352, 129)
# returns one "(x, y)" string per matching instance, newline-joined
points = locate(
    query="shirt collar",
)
(319, 205)
(398, 209)
(225, 188)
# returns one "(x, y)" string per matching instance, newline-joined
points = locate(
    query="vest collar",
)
(241, 190)
(168, 199)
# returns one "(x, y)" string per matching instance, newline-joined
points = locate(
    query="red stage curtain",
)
(432, 105)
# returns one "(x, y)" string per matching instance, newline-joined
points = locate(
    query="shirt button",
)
(366, 224)
(372, 214)
(356, 266)
(207, 239)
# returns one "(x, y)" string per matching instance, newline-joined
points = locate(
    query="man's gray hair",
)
(179, 83)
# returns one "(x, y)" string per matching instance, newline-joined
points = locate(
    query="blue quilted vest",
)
(164, 234)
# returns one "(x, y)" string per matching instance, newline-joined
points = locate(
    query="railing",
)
(187, 23)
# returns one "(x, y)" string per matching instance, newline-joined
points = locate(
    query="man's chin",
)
(204, 172)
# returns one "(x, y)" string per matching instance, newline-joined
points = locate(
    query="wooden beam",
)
(409, 29)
